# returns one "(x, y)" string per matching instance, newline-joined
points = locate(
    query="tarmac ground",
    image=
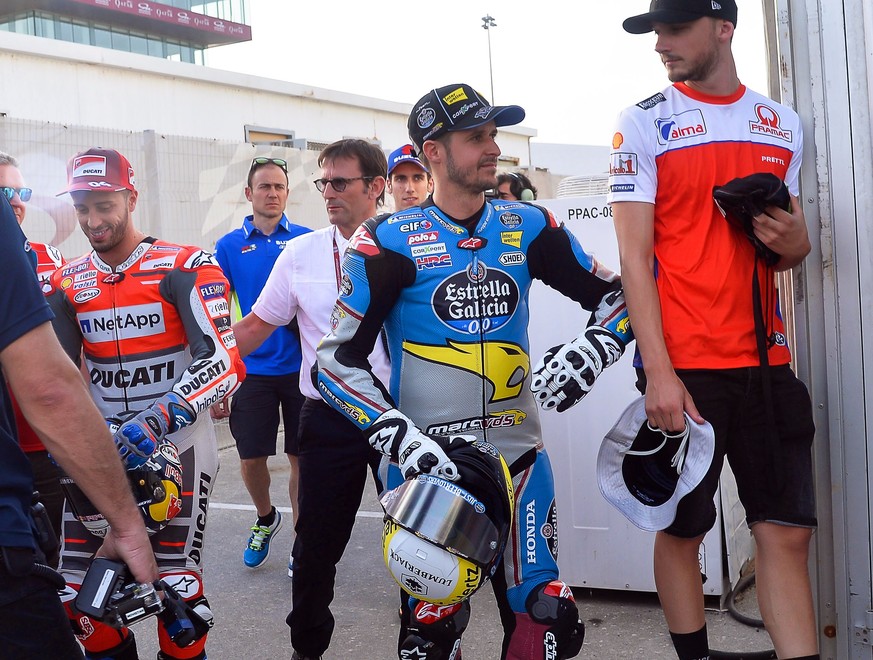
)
(250, 606)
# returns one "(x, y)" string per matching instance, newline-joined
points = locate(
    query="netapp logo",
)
(122, 323)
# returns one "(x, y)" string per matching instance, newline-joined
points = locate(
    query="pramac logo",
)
(767, 122)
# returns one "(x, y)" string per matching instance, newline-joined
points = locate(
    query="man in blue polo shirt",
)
(246, 256)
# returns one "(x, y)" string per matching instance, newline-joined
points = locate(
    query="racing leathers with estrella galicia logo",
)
(159, 323)
(454, 305)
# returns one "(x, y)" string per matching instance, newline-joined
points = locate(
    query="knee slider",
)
(552, 604)
(435, 631)
(186, 618)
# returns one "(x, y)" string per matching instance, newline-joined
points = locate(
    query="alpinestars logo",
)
(550, 643)
(383, 439)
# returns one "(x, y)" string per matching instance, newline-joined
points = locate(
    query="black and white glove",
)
(395, 435)
(567, 373)
(138, 436)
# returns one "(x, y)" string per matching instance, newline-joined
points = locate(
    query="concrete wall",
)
(191, 189)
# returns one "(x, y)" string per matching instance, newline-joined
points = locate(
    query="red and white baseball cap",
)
(99, 169)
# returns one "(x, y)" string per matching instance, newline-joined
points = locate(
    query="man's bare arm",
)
(666, 396)
(250, 331)
(54, 399)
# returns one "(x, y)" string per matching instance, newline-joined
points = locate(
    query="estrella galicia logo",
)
(346, 286)
(476, 301)
(425, 117)
(510, 220)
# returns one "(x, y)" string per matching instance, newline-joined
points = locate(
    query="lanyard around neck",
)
(336, 262)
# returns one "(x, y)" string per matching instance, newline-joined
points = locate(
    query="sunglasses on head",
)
(339, 183)
(23, 193)
(266, 161)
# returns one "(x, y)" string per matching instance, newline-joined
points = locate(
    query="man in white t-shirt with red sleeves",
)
(689, 277)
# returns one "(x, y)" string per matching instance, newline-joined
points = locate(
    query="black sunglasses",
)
(23, 193)
(266, 161)
(339, 183)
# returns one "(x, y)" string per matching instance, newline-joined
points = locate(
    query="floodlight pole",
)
(488, 23)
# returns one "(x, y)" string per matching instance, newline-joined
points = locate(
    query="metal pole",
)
(487, 23)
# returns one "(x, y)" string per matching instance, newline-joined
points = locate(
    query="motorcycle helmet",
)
(156, 487)
(442, 540)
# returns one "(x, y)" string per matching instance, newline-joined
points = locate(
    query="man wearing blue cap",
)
(449, 281)
(409, 181)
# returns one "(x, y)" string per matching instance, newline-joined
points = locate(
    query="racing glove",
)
(395, 435)
(138, 436)
(567, 373)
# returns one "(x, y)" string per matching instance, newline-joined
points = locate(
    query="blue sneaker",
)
(258, 549)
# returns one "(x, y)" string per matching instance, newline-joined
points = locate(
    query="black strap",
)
(772, 438)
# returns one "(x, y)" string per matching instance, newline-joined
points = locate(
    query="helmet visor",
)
(446, 515)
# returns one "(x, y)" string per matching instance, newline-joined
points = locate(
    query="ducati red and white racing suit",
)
(158, 322)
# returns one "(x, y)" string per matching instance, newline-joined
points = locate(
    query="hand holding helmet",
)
(156, 486)
(567, 373)
(394, 434)
(138, 436)
(442, 541)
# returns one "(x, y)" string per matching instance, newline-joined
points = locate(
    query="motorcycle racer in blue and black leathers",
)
(449, 282)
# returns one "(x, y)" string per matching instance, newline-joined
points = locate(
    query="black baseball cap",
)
(456, 107)
(680, 11)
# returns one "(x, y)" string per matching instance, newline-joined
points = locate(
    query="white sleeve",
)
(633, 174)
(277, 304)
(792, 176)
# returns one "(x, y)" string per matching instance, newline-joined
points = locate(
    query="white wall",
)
(570, 159)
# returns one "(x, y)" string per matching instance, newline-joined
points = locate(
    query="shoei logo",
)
(89, 165)
(459, 94)
(512, 258)
(682, 126)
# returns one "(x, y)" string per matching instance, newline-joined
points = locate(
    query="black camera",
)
(109, 594)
